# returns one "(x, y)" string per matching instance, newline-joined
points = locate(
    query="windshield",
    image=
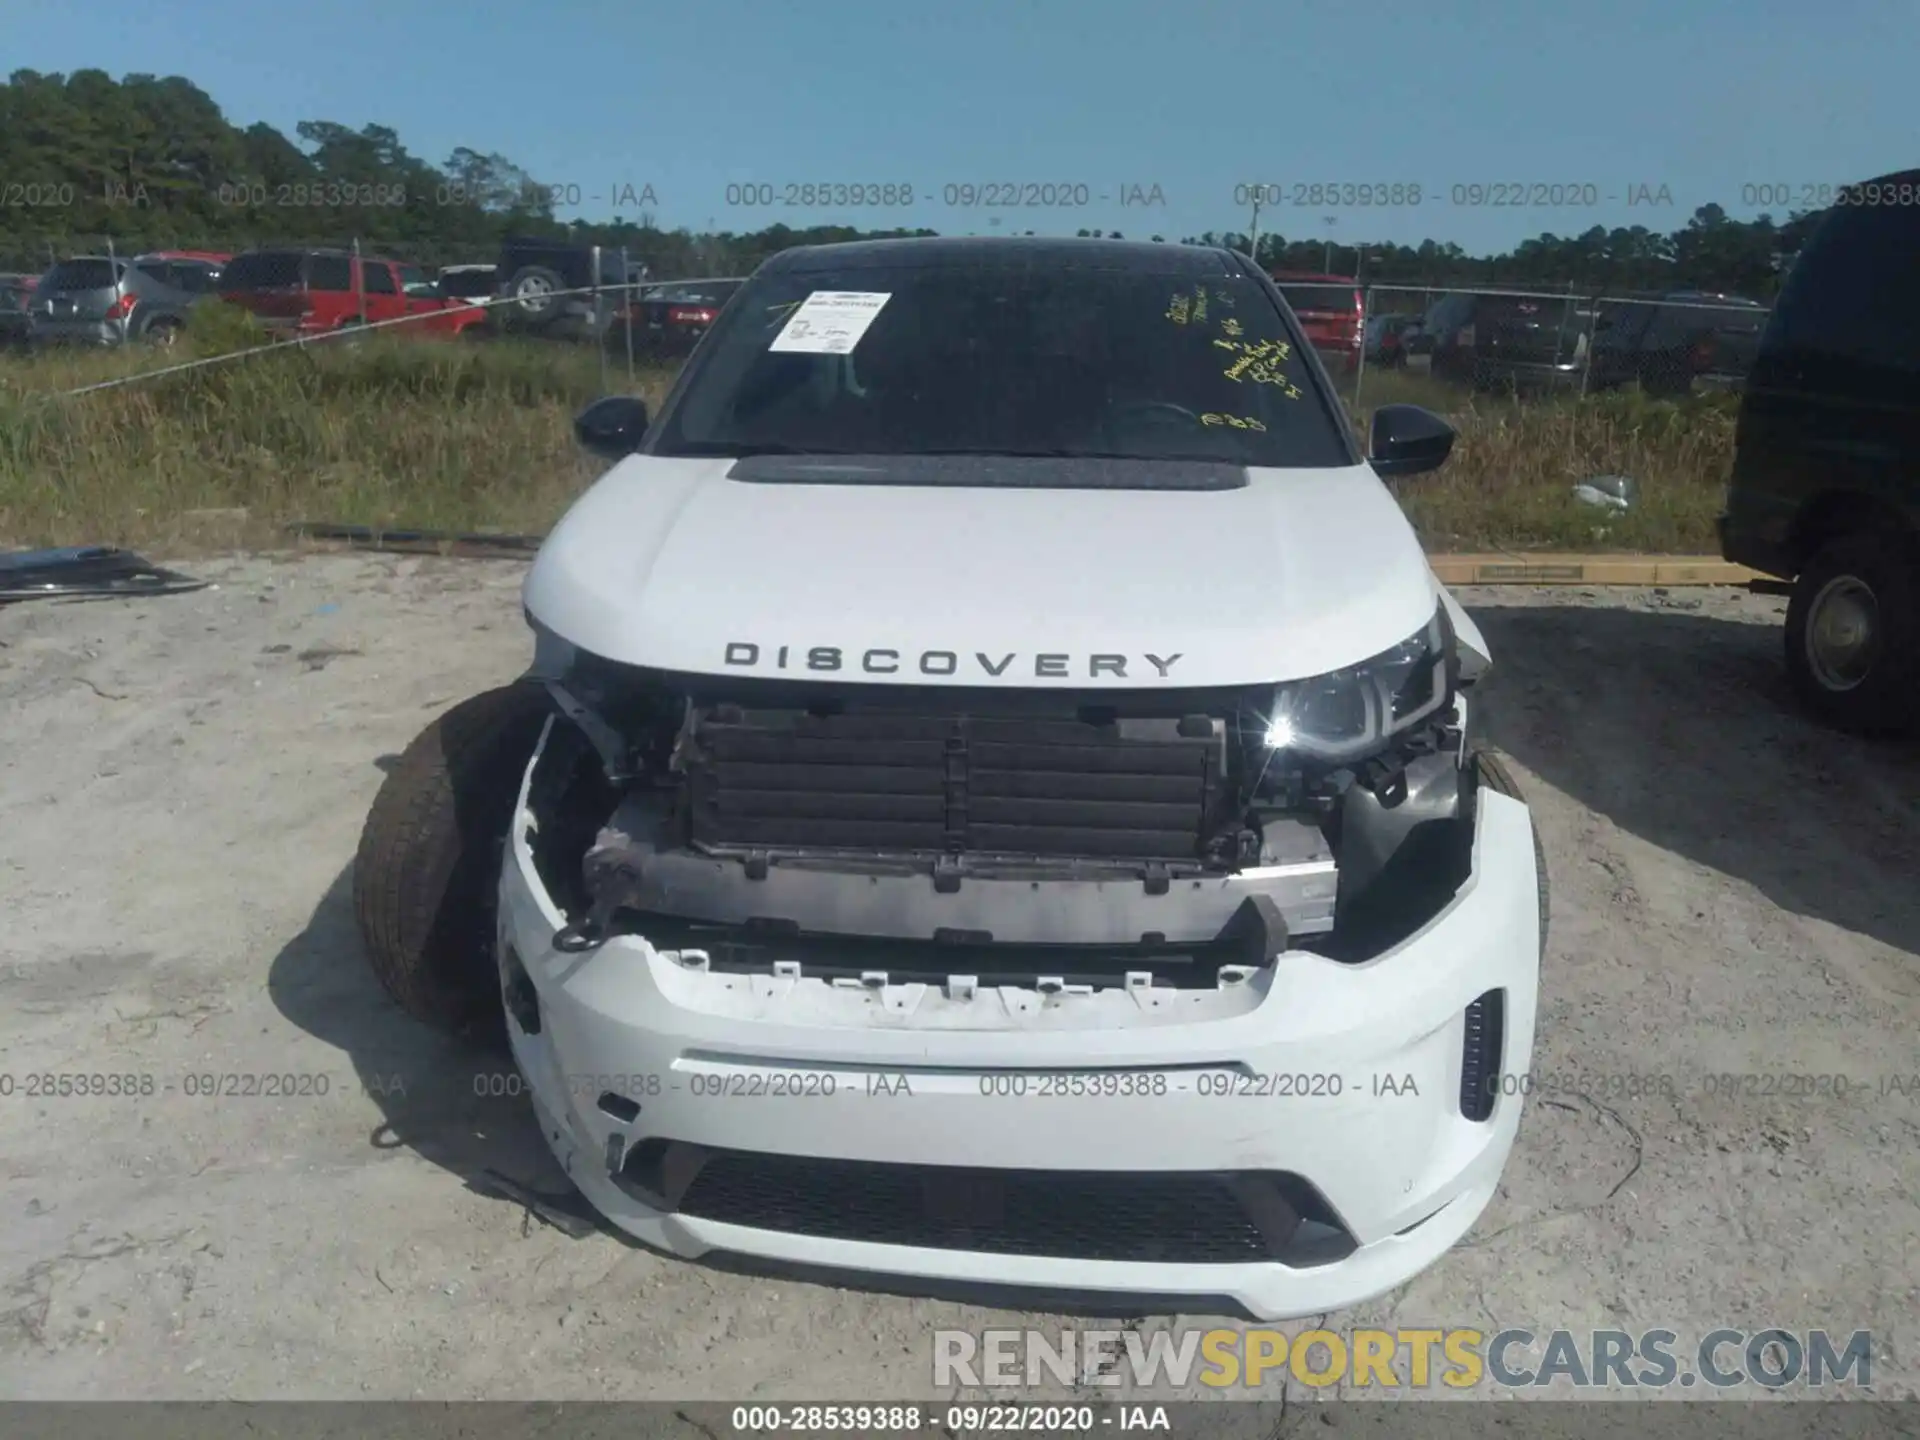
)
(695, 292)
(414, 282)
(80, 275)
(1005, 361)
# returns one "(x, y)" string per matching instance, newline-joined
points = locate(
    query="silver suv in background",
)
(99, 300)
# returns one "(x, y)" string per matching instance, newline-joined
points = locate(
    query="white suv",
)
(993, 800)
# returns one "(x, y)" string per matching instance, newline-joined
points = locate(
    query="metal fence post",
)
(627, 305)
(1593, 337)
(359, 282)
(1360, 372)
(599, 339)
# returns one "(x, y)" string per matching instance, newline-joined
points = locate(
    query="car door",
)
(330, 299)
(384, 302)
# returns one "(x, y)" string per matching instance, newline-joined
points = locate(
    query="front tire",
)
(1853, 635)
(427, 874)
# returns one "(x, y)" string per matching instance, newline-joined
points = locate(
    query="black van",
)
(1826, 470)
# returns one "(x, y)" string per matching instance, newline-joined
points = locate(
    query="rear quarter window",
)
(80, 275)
(1337, 298)
(263, 270)
(329, 272)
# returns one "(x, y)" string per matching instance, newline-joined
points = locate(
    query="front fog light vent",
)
(516, 989)
(1480, 1056)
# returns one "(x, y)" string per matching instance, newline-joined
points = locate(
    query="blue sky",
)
(1702, 97)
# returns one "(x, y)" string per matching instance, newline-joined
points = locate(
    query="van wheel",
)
(1490, 770)
(162, 333)
(426, 876)
(1853, 634)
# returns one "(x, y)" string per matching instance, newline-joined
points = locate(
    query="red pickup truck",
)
(310, 292)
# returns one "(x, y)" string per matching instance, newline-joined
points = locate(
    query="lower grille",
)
(1192, 1218)
(950, 784)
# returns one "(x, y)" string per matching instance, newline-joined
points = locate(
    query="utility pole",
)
(1326, 257)
(1258, 192)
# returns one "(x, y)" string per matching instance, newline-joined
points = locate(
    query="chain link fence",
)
(1441, 347)
(545, 290)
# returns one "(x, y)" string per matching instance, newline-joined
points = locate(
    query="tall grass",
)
(477, 435)
(1510, 480)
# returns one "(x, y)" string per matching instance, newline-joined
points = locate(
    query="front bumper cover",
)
(1346, 1077)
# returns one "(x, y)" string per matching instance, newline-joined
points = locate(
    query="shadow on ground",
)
(1675, 727)
(1680, 730)
(462, 1106)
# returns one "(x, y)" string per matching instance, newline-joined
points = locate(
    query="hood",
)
(668, 563)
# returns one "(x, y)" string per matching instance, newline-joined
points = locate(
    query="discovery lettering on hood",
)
(1010, 665)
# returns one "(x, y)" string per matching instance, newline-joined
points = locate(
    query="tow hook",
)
(613, 880)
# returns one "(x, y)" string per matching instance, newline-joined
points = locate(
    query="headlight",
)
(1348, 713)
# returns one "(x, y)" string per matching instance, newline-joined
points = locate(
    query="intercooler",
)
(935, 783)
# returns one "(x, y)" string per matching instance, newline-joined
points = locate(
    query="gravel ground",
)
(183, 781)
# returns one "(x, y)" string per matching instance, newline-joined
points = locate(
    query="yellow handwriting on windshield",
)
(1230, 326)
(1233, 420)
(1259, 361)
(1184, 308)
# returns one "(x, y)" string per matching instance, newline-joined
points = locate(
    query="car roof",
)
(959, 252)
(1291, 276)
(1910, 177)
(328, 250)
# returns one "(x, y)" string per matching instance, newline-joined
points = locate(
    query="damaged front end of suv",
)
(1041, 838)
(1003, 816)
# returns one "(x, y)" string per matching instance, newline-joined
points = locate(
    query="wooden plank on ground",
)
(1548, 568)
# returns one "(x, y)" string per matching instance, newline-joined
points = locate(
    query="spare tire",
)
(427, 874)
(533, 294)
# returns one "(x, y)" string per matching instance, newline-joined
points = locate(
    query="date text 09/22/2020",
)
(804, 1084)
(954, 195)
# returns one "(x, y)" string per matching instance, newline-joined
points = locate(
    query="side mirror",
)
(1408, 440)
(612, 426)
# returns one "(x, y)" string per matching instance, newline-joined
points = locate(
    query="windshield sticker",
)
(829, 322)
(1260, 362)
(1237, 422)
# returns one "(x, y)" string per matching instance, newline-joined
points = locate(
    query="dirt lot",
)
(183, 782)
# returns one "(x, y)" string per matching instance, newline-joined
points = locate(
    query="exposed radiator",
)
(954, 784)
